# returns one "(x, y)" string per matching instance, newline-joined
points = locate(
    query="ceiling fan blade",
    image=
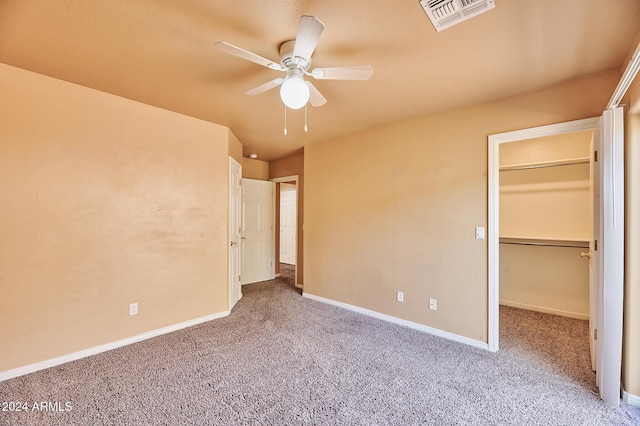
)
(315, 97)
(245, 54)
(360, 72)
(264, 87)
(309, 32)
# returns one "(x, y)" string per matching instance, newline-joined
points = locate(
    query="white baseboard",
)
(544, 310)
(31, 368)
(630, 398)
(399, 321)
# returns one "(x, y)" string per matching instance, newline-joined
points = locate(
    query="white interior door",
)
(235, 176)
(288, 208)
(257, 231)
(610, 254)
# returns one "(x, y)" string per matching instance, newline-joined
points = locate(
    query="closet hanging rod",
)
(542, 164)
(544, 243)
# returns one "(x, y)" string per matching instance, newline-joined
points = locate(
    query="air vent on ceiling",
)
(445, 13)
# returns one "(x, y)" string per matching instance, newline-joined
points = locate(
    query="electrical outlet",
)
(133, 309)
(400, 297)
(433, 304)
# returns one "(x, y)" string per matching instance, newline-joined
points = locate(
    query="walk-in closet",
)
(546, 223)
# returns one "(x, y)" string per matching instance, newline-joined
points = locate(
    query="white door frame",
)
(234, 256)
(288, 179)
(288, 193)
(493, 230)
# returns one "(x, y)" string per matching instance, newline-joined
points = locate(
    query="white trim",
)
(611, 257)
(548, 130)
(31, 368)
(630, 398)
(627, 78)
(493, 187)
(544, 310)
(233, 162)
(399, 321)
(285, 179)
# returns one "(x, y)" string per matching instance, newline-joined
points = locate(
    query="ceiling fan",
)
(295, 60)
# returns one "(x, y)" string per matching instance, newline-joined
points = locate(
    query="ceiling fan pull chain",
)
(305, 118)
(285, 120)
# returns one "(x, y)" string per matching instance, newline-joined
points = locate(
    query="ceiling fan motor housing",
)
(287, 60)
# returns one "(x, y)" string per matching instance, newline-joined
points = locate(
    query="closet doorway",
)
(606, 249)
(546, 224)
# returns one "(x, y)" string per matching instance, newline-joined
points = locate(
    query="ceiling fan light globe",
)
(294, 92)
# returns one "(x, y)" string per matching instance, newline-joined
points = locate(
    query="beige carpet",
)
(283, 359)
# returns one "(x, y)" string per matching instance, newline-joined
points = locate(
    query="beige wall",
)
(416, 190)
(255, 169)
(291, 166)
(235, 148)
(546, 203)
(105, 202)
(554, 280)
(631, 343)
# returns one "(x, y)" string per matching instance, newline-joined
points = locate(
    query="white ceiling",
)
(161, 53)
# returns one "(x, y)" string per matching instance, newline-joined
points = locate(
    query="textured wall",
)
(105, 202)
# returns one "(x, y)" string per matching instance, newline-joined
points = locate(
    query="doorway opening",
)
(288, 224)
(546, 225)
(494, 234)
(286, 218)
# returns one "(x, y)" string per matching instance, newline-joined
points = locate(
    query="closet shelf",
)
(541, 164)
(545, 242)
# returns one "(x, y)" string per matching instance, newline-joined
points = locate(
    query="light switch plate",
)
(479, 232)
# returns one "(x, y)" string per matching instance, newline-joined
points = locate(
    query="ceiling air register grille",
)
(445, 13)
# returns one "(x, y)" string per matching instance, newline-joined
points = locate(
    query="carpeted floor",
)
(283, 359)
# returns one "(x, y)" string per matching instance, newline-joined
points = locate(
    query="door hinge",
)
(239, 277)
(595, 155)
(595, 244)
(595, 334)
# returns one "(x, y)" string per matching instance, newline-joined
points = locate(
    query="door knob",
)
(587, 254)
